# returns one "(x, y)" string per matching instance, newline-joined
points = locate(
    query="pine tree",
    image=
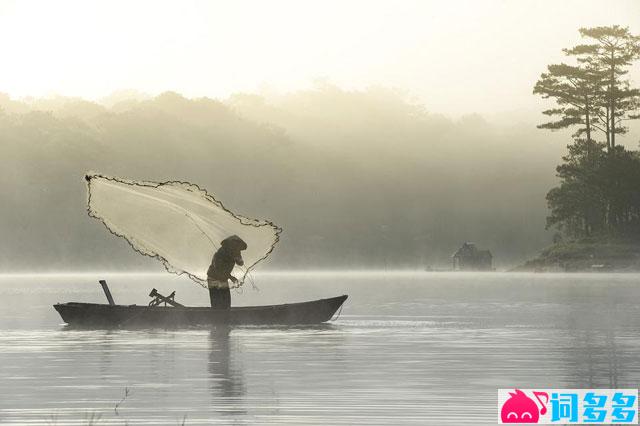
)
(574, 89)
(610, 53)
(599, 187)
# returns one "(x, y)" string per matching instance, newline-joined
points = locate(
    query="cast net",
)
(178, 223)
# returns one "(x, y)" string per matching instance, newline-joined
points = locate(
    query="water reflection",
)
(428, 350)
(225, 372)
(596, 351)
(596, 360)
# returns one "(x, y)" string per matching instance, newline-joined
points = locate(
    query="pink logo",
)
(519, 408)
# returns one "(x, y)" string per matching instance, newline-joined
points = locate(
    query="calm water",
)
(426, 348)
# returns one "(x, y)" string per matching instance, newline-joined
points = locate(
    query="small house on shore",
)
(470, 258)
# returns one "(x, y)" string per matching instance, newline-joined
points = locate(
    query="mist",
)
(327, 212)
(458, 57)
(385, 143)
(357, 179)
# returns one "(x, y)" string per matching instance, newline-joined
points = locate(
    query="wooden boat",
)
(122, 316)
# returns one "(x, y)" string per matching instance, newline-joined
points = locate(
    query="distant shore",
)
(588, 255)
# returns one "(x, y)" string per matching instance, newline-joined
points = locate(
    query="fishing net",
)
(178, 223)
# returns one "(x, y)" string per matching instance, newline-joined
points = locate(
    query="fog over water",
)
(428, 348)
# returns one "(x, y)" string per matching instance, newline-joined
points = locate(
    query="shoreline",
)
(587, 255)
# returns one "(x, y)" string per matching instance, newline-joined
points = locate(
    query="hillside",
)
(356, 179)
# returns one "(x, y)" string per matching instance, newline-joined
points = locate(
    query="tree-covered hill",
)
(356, 179)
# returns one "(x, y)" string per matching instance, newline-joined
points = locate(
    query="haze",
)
(456, 57)
(379, 135)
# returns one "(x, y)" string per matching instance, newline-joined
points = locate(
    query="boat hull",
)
(122, 316)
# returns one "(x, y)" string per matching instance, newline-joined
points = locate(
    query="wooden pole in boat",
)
(107, 293)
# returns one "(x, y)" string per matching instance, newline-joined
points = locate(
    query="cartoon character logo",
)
(519, 408)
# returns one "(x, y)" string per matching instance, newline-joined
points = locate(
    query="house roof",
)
(470, 249)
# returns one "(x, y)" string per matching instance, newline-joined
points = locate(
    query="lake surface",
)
(425, 348)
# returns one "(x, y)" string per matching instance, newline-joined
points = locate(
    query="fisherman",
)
(219, 272)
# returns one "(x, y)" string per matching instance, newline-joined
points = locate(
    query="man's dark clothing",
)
(218, 273)
(220, 298)
(221, 266)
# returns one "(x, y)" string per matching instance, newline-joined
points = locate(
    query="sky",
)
(456, 56)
